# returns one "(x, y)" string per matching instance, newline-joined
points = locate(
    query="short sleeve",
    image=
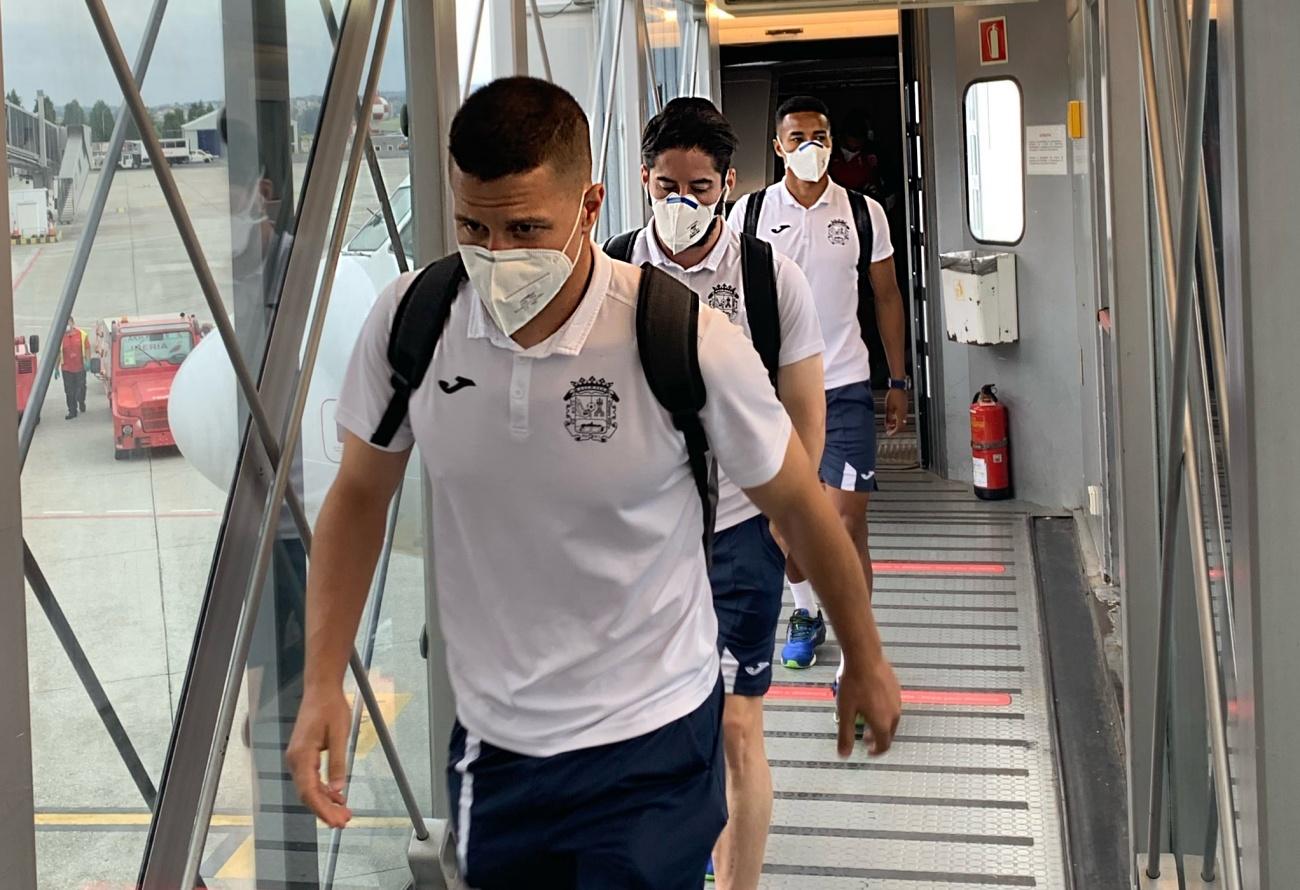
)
(747, 427)
(801, 329)
(367, 385)
(736, 218)
(882, 247)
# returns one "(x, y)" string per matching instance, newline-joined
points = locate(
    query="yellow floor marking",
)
(391, 704)
(241, 864)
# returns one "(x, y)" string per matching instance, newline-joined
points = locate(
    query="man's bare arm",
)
(891, 322)
(348, 536)
(794, 501)
(803, 393)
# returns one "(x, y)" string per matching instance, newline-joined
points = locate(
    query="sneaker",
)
(708, 871)
(70, 415)
(802, 638)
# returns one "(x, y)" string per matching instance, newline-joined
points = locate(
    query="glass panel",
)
(124, 502)
(995, 176)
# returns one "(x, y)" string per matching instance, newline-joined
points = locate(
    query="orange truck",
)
(136, 358)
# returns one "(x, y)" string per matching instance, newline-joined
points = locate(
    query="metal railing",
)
(1186, 308)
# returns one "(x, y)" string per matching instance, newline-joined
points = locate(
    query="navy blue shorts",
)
(748, 576)
(849, 459)
(642, 814)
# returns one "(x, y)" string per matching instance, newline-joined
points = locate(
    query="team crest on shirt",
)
(724, 298)
(837, 232)
(591, 410)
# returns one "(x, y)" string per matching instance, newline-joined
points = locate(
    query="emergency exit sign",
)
(993, 41)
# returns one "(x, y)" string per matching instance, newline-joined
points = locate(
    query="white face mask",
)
(809, 161)
(681, 222)
(515, 285)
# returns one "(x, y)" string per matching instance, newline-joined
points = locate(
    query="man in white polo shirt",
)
(686, 154)
(572, 582)
(821, 227)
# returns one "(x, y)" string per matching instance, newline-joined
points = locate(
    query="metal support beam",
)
(433, 91)
(292, 430)
(509, 37)
(17, 832)
(607, 124)
(195, 725)
(541, 39)
(1180, 472)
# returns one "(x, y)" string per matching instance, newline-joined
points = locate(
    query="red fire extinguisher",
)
(990, 445)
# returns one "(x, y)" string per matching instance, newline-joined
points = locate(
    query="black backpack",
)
(758, 275)
(861, 222)
(667, 333)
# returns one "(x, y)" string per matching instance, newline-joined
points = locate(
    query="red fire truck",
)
(136, 358)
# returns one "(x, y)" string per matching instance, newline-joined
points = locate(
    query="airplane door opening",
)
(859, 80)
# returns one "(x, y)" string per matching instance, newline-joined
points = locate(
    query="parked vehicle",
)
(25, 349)
(199, 156)
(137, 358)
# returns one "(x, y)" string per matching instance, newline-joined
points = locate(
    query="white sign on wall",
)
(1045, 151)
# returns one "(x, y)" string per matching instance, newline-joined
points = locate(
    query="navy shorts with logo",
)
(849, 458)
(641, 814)
(747, 576)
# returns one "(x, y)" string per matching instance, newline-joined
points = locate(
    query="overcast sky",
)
(52, 45)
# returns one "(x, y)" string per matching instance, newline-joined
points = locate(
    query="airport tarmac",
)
(127, 547)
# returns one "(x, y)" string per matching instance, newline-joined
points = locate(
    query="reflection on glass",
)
(374, 234)
(994, 161)
(125, 535)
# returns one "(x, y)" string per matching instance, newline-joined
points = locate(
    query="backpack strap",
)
(758, 274)
(754, 209)
(667, 336)
(866, 240)
(418, 324)
(620, 246)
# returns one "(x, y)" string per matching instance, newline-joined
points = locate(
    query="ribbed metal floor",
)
(969, 795)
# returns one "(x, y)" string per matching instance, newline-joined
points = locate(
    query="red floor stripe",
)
(940, 568)
(27, 267)
(910, 696)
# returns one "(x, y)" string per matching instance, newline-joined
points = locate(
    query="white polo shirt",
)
(824, 242)
(719, 282)
(566, 526)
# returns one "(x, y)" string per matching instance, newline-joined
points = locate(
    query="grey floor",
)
(969, 794)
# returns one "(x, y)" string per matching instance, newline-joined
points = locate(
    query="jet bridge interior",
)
(1098, 673)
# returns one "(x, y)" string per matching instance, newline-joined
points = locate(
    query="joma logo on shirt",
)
(837, 232)
(591, 410)
(723, 297)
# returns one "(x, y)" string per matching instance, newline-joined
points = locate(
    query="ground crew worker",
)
(75, 358)
(686, 154)
(812, 220)
(571, 575)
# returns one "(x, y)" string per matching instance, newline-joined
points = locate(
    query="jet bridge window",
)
(995, 172)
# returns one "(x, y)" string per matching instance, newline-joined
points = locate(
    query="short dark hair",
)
(803, 105)
(517, 124)
(690, 122)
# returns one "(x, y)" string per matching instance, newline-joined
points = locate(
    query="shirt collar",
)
(710, 263)
(571, 336)
(791, 201)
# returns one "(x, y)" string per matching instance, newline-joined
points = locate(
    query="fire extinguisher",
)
(990, 445)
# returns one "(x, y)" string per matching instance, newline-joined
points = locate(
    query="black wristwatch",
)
(904, 384)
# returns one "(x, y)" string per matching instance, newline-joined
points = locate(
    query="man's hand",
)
(869, 689)
(895, 412)
(323, 723)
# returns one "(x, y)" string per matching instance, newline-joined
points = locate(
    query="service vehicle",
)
(137, 358)
(25, 349)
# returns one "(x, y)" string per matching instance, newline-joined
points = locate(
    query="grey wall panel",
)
(1039, 377)
(950, 227)
(747, 103)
